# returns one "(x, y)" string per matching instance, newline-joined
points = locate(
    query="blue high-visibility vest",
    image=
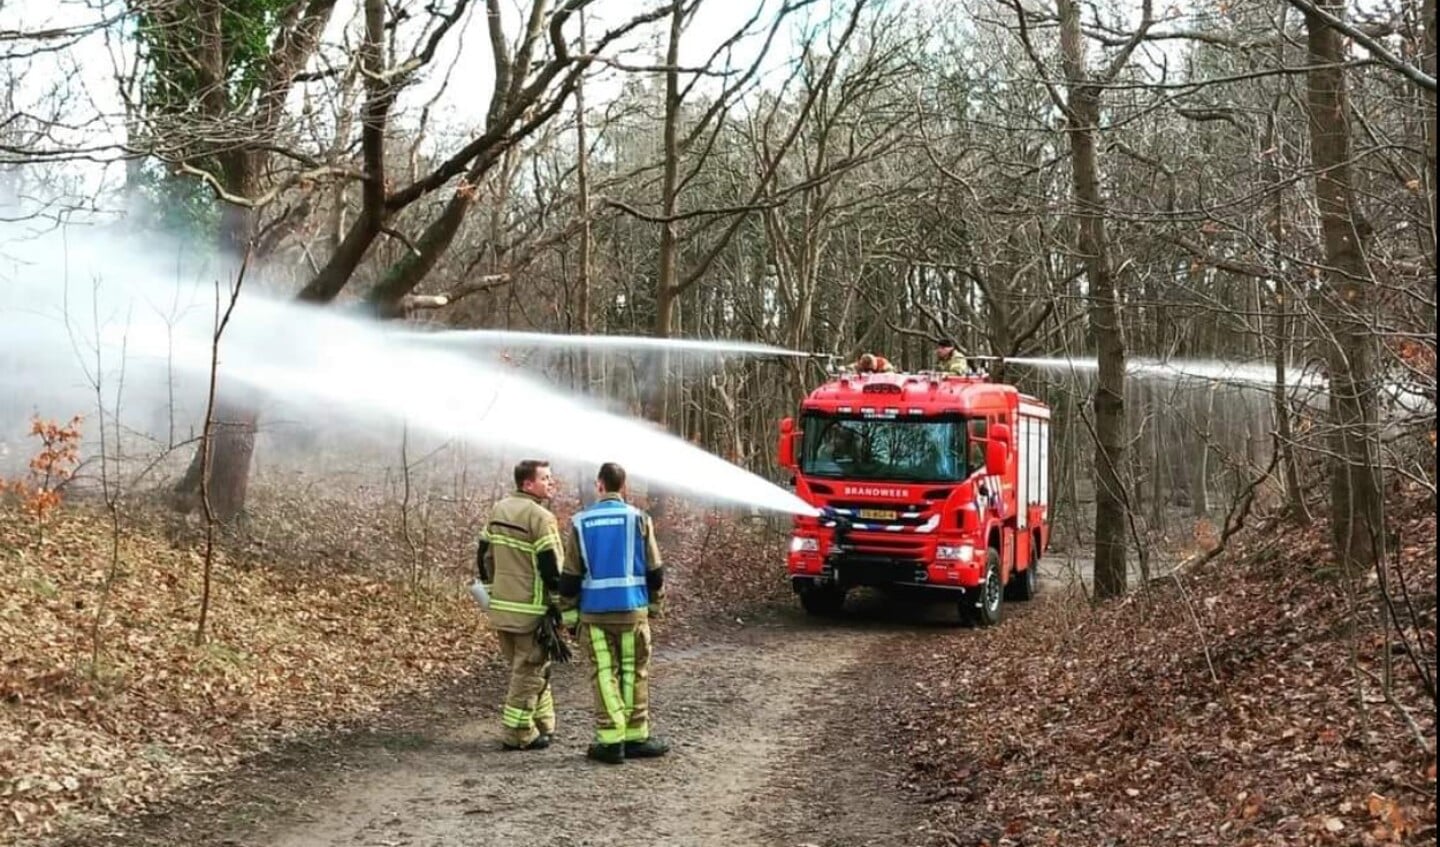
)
(614, 555)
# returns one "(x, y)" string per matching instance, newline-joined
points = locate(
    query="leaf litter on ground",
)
(322, 616)
(1081, 726)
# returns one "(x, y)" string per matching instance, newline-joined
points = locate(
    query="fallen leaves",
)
(91, 726)
(727, 564)
(323, 615)
(1391, 822)
(1103, 726)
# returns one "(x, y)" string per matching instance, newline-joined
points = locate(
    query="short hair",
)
(611, 477)
(867, 362)
(526, 470)
(946, 342)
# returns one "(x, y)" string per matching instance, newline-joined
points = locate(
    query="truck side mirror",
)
(997, 450)
(786, 448)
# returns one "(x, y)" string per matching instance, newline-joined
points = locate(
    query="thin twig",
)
(208, 435)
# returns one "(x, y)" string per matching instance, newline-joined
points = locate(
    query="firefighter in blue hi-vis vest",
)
(610, 584)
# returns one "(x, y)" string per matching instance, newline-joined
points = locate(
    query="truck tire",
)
(823, 602)
(1023, 584)
(981, 605)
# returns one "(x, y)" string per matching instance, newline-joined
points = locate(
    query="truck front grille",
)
(900, 547)
(888, 517)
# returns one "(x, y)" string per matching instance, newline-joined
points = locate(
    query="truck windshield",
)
(895, 450)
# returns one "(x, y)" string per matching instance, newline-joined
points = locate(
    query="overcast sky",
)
(84, 74)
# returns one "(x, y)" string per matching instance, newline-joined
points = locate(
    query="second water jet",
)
(1240, 374)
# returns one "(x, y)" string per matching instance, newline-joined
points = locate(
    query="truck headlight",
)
(804, 544)
(955, 552)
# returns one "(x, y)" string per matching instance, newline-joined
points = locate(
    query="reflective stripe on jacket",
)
(518, 530)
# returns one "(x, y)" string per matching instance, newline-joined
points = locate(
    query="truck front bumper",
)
(860, 569)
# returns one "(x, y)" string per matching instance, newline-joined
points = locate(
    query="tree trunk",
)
(236, 417)
(1155, 424)
(1428, 63)
(669, 198)
(1200, 478)
(1354, 490)
(582, 203)
(236, 413)
(668, 285)
(1106, 330)
(582, 362)
(1295, 507)
(232, 445)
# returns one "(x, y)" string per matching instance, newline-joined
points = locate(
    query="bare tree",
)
(1348, 300)
(528, 91)
(1082, 107)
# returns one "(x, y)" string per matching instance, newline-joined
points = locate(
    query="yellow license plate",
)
(878, 514)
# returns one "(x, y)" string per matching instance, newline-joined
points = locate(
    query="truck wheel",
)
(1023, 584)
(823, 602)
(981, 605)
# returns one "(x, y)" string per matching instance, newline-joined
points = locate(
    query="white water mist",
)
(1399, 400)
(66, 306)
(1208, 370)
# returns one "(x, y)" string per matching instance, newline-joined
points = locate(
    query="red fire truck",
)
(930, 484)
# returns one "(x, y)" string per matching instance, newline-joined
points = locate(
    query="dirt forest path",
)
(783, 733)
(763, 724)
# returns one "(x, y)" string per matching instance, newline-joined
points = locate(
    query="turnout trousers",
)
(529, 705)
(620, 679)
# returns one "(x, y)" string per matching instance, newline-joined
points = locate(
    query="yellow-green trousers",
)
(620, 678)
(529, 706)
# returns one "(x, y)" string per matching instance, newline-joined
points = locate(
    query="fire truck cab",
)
(929, 484)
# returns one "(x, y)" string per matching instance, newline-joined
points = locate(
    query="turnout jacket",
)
(954, 364)
(518, 560)
(575, 570)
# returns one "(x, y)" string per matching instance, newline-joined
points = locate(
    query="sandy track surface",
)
(783, 732)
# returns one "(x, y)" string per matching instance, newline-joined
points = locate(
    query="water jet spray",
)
(324, 365)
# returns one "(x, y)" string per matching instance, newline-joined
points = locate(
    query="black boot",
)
(610, 754)
(650, 748)
(540, 742)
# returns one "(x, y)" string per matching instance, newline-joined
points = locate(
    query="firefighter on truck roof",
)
(869, 363)
(519, 557)
(949, 359)
(611, 584)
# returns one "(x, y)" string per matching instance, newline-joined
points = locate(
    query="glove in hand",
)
(551, 641)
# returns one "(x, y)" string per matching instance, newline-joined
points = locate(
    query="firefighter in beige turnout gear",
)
(949, 359)
(610, 584)
(518, 558)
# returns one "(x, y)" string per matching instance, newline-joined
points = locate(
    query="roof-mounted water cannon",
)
(991, 363)
(830, 363)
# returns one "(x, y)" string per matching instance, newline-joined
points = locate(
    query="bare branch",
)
(1364, 39)
(1121, 59)
(267, 197)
